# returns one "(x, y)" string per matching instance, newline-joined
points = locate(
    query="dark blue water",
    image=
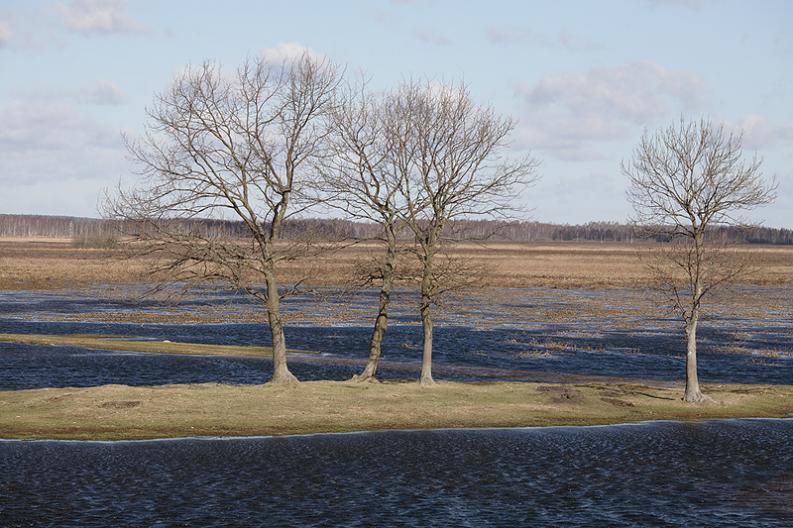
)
(720, 473)
(476, 338)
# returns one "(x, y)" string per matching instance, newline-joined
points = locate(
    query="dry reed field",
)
(42, 264)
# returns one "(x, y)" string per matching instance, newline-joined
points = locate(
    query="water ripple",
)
(719, 473)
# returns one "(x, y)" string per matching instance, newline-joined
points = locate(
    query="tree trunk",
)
(381, 322)
(426, 322)
(426, 358)
(692, 394)
(281, 372)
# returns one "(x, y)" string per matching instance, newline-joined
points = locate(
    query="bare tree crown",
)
(451, 156)
(358, 177)
(234, 143)
(231, 146)
(690, 175)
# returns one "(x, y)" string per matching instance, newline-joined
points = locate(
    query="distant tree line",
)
(88, 229)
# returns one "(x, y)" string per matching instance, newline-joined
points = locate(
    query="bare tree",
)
(684, 179)
(450, 155)
(231, 146)
(360, 180)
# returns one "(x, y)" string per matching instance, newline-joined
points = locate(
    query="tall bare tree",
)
(231, 146)
(685, 179)
(451, 157)
(359, 179)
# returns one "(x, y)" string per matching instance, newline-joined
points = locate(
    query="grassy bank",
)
(123, 412)
(120, 343)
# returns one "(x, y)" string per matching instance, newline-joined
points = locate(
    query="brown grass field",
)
(55, 263)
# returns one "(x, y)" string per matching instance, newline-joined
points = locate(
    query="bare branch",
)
(230, 147)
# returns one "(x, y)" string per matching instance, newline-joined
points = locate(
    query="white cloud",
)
(508, 35)
(98, 17)
(563, 39)
(446, 90)
(636, 92)
(759, 133)
(687, 4)
(103, 93)
(288, 52)
(431, 37)
(567, 137)
(5, 33)
(786, 132)
(568, 113)
(58, 197)
(53, 142)
(51, 96)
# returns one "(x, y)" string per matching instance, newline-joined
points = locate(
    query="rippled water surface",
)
(530, 334)
(720, 473)
(725, 473)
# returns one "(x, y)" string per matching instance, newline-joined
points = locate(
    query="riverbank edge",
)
(119, 412)
(648, 423)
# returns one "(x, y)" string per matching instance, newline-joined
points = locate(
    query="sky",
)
(582, 80)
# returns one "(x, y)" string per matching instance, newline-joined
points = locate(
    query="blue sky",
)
(583, 79)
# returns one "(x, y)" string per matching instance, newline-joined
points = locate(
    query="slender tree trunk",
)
(381, 322)
(426, 358)
(692, 394)
(281, 372)
(426, 322)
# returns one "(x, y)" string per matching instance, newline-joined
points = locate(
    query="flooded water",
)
(513, 334)
(719, 473)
